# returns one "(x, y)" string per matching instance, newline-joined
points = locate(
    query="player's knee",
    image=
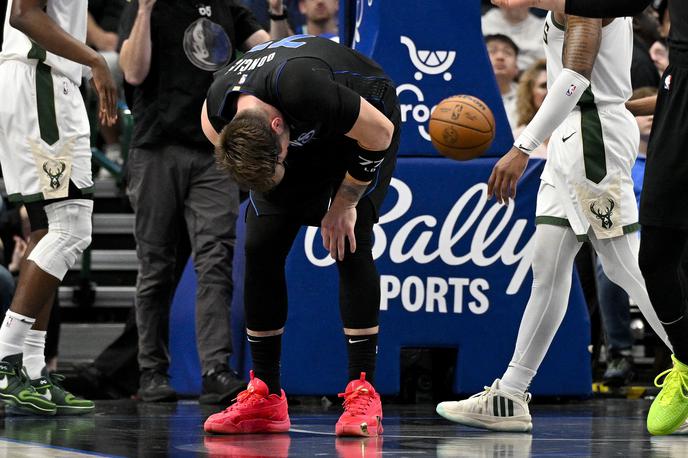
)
(69, 234)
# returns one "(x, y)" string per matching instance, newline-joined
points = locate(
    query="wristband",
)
(279, 17)
(561, 98)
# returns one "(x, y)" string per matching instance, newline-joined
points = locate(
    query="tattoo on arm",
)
(581, 44)
(350, 193)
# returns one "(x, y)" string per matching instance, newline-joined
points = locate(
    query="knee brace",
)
(69, 233)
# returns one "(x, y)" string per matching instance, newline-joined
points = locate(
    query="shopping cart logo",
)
(429, 62)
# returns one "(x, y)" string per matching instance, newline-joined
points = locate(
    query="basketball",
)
(462, 127)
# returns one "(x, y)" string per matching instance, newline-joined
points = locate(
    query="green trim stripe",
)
(36, 52)
(594, 155)
(552, 221)
(45, 101)
(563, 222)
(557, 25)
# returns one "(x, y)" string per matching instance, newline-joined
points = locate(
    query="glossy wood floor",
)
(602, 428)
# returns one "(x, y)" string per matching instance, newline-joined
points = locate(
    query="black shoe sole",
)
(158, 397)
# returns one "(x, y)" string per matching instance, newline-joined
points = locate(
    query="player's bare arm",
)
(642, 107)
(373, 132)
(581, 45)
(29, 17)
(208, 129)
(135, 55)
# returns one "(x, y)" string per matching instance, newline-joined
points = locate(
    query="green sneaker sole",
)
(41, 407)
(75, 410)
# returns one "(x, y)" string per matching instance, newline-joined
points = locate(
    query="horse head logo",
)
(606, 216)
(54, 174)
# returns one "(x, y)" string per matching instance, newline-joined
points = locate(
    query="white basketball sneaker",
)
(492, 409)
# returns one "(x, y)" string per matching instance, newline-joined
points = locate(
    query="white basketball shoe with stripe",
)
(492, 409)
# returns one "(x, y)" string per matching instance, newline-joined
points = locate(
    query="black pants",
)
(664, 263)
(268, 241)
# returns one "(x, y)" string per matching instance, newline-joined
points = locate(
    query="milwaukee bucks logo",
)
(54, 170)
(604, 216)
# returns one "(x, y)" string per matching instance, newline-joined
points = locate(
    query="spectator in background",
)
(503, 54)
(101, 34)
(645, 33)
(263, 12)
(523, 28)
(321, 18)
(169, 51)
(531, 91)
(614, 302)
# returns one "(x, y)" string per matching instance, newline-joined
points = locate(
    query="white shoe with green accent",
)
(492, 409)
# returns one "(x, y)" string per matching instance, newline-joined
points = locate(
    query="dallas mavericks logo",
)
(605, 216)
(207, 45)
(303, 138)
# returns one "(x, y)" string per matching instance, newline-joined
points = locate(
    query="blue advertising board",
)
(432, 50)
(455, 273)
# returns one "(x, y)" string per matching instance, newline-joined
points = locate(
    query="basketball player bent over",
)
(46, 162)
(312, 128)
(586, 193)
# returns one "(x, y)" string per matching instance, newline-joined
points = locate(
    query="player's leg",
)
(268, 241)
(211, 209)
(45, 154)
(618, 256)
(359, 304)
(663, 260)
(504, 406)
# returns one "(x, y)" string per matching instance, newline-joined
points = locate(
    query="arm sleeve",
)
(606, 8)
(245, 23)
(308, 92)
(126, 22)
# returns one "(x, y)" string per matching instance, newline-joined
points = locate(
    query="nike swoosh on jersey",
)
(563, 139)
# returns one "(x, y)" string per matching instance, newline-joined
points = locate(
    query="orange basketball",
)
(462, 127)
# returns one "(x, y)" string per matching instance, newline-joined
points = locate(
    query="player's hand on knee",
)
(336, 227)
(505, 175)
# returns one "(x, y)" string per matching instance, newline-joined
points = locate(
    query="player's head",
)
(503, 53)
(531, 92)
(252, 148)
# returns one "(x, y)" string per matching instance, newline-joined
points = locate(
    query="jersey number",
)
(289, 42)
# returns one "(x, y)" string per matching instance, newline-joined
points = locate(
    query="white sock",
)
(34, 353)
(555, 250)
(12, 333)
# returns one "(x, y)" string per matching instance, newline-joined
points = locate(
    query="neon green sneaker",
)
(670, 409)
(48, 385)
(17, 392)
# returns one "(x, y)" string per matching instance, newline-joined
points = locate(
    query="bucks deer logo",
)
(604, 216)
(54, 170)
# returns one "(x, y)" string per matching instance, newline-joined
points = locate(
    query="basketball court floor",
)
(599, 428)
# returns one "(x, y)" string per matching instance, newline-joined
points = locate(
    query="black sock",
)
(362, 352)
(265, 352)
(677, 333)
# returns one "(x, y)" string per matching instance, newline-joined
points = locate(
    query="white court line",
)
(18, 449)
(485, 435)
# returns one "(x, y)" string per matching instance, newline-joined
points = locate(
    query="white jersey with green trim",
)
(611, 74)
(71, 16)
